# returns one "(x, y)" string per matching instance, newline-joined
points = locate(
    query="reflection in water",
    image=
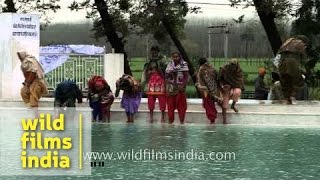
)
(261, 152)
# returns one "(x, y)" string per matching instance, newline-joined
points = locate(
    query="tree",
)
(109, 21)
(10, 7)
(111, 33)
(165, 18)
(25, 6)
(105, 23)
(267, 16)
(308, 18)
(268, 11)
(308, 23)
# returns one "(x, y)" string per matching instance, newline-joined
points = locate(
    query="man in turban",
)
(260, 91)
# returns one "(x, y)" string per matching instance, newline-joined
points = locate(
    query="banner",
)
(52, 57)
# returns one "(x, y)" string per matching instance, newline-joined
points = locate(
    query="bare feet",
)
(292, 100)
(162, 117)
(130, 119)
(151, 116)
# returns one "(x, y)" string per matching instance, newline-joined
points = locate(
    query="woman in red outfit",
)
(177, 74)
(207, 84)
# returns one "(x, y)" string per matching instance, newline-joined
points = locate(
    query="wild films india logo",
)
(51, 144)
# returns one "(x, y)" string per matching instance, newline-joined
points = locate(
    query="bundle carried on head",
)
(295, 45)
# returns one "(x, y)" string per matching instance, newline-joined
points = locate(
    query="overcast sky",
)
(214, 8)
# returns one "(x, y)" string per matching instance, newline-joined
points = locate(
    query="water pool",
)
(261, 152)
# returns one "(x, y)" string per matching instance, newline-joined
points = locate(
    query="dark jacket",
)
(66, 94)
(260, 91)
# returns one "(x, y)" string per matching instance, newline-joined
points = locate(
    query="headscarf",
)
(293, 45)
(97, 81)
(231, 74)
(30, 64)
(208, 76)
(182, 66)
(174, 73)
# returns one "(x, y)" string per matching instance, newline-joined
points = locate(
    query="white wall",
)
(113, 69)
(19, 32)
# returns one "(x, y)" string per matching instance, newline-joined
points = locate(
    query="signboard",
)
(19, 32)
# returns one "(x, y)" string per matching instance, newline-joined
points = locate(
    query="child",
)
(156, 89)
(131, 97)
(100, 98)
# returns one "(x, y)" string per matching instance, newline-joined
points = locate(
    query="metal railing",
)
(78, 68)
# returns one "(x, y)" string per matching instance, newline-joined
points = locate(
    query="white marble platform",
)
(252, 112)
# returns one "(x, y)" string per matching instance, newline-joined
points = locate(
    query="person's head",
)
(99, 85)
(202, 61)
(155, 50)
(125, 84)
(262, 71)
(234, 62)
(176, 57)
(22, 55)
(153, 65)
(304, 39)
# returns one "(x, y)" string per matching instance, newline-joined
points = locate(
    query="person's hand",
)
(64, 104)
(219, 101)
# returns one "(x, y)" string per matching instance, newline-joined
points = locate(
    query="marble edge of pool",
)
(193, 101)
